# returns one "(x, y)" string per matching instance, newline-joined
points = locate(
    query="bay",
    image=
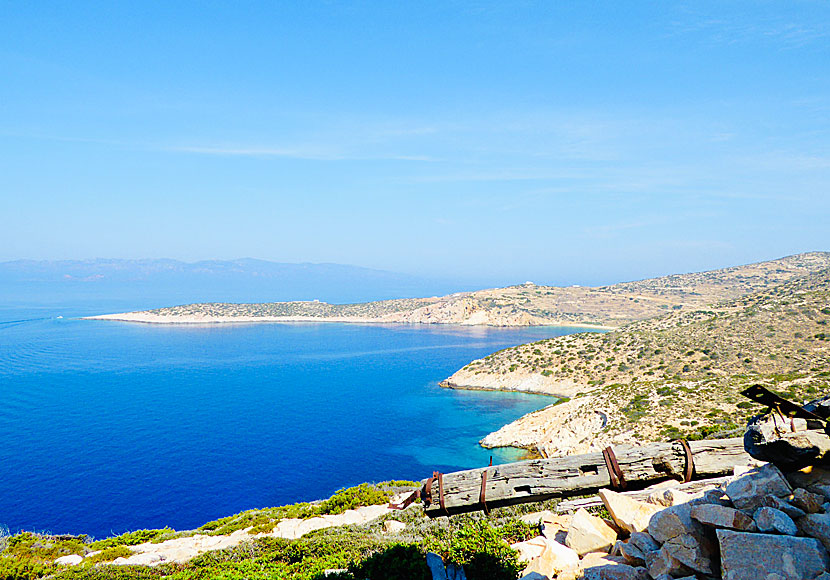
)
(108, 427)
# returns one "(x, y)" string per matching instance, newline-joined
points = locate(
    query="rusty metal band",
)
(428, 487)
(483, 492)
(615, 474)
(441, 493)
(689, 466)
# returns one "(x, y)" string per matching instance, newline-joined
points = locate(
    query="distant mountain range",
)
(243, 280)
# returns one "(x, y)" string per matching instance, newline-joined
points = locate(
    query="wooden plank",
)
(690, 487)
(541, 479)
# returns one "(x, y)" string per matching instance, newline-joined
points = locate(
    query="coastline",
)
(147, 318)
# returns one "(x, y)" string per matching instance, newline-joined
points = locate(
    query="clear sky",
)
(560, 142)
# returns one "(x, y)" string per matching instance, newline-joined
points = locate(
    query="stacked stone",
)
(754, 527)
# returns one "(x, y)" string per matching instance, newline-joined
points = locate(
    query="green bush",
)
(351, 498)
(400, 561)
(132, 538)
(23, 569)
(43, 548)
(110, 554)
(480, 549)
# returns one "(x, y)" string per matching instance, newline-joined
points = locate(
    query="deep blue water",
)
(107, 427)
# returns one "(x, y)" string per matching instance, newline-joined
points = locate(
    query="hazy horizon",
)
(565, 143)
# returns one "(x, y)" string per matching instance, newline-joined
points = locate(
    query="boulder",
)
(530, 549)
(534, 576)
(643, 542)
(775, 521)
(393, 527)
(553, 559)
(749, 556)
(716, 497)
(821, 489)
(694, 551)
(779, 504)
(662, 562)
(616, 572)
(669, 497)
(765, 441)
(807, 501)
(748, 491)
(674, 521)
(600, 559)
(632, 554)
(589, 533)
(630, 514)
(719, 516)
(71, 560)
(816, 526)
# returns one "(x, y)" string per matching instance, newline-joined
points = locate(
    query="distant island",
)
(526, 304)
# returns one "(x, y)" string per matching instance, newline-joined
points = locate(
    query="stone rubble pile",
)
(757, 526)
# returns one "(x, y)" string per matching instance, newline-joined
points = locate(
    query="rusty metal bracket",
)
(441, 493)
(689, 466)
(428, 487)
(615, 474)
(483, 492)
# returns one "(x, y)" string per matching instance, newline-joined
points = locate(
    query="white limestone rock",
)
(589, 533)
(71, 560)
(628, 513)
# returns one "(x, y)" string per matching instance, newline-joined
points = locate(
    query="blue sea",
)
(107, 427)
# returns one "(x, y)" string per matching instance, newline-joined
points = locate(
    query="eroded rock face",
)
(750, 556)
(747, 491)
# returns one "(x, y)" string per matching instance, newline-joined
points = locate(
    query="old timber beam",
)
(542, 479)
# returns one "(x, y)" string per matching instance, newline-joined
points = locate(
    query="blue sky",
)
(558, 142)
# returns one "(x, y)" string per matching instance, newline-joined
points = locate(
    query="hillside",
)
(523, 305)
(678, 374)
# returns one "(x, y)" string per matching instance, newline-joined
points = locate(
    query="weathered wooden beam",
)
(572, 505)
(541, 479)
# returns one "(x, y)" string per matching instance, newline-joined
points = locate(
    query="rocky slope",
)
(523, 305)
(667, 376)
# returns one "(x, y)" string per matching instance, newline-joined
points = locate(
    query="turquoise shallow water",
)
(108, 427)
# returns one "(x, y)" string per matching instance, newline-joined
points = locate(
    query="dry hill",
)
(674, 375)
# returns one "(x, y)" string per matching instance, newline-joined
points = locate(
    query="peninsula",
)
(676, 375)
(526, 304)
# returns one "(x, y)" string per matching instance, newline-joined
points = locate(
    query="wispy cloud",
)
(738, 29)
(288, 153)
